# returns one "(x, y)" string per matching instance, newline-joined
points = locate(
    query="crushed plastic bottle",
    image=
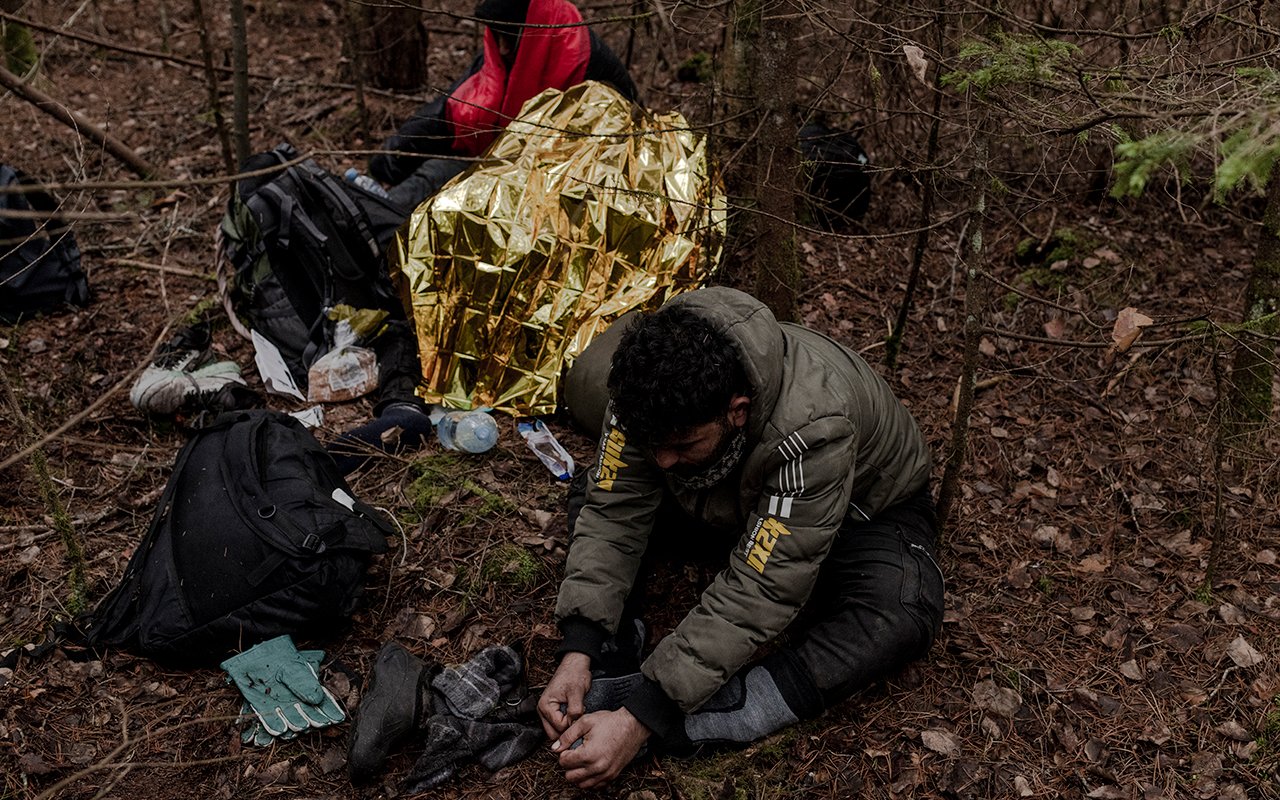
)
(544, 445)
(467, 431)
(365, 182)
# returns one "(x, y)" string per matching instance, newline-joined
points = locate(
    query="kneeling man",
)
(723, 425)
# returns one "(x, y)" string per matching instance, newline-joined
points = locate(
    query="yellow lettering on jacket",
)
(611, 459)
(766, 537)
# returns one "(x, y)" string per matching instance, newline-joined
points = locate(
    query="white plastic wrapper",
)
(344, 373)
(544, 445)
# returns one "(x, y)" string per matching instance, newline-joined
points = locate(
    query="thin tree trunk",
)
(354, 43)
(1218, 534)
(166, 27)
(893, 345)
(765, 42)
(240, 80)
(1252, 368)
(975, 306)
(211, 79)
(637, 8)
(731, 142)
(388, 44)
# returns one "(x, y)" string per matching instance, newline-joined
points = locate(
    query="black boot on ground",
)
(395, 703)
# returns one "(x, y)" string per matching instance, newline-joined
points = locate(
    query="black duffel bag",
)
(39, 260)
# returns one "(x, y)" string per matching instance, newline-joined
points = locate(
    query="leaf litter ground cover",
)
(1080, 656)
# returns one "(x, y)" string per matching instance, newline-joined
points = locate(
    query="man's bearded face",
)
(697, 449)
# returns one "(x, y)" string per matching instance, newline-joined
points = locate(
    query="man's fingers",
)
(576, 708)
(576, 761)
(553, 720)
(595, 773)
(571, 756)
(548, 725)
(583, 778)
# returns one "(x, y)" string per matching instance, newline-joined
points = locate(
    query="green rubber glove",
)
(283, 688)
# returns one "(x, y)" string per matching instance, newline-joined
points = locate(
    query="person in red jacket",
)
(529, 46)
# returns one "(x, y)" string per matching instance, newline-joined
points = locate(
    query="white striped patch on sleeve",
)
(790, 476)
(779, 506)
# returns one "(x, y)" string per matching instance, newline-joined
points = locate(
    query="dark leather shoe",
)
(396, 701)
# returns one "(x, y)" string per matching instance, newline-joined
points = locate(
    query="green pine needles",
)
(1010, 60)
(1243, 137)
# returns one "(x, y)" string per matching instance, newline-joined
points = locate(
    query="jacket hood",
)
(504, 16)
(757, 336)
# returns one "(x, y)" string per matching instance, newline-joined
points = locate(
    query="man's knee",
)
(881, 611)
(855, 648)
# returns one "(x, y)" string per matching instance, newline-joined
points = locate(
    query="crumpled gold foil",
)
(583, 209)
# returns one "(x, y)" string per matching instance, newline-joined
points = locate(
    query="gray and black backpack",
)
(301, 240)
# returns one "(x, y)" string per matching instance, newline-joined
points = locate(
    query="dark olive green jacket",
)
(826, 439)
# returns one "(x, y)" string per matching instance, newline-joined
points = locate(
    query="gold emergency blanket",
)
(583, 209)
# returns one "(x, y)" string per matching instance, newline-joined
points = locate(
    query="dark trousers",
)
(876, 607)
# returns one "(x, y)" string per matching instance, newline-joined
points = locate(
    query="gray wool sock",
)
(472, 723)
(744, 710)
(608, 694)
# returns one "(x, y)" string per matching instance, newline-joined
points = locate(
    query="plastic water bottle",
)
(467, 431)
(364, 182)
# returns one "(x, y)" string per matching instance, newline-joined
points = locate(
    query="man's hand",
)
(610, 740)
(561, 702)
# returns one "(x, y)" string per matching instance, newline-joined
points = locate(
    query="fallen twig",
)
(39, 537)
(47, 528)
(69, 216)
(78, 123)
(92, 407)
(107, 763)
(130, 262)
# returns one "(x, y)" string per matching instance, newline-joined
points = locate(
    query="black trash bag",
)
(839, 175)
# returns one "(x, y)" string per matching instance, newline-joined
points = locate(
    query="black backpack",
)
(256, 535)
(39, 261)
(839, 176)
(301, 240)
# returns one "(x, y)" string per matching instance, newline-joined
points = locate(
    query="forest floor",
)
(1081, 654)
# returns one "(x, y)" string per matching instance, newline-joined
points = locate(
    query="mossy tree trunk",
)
(764, 78)
(18, 51)
(1253, 367)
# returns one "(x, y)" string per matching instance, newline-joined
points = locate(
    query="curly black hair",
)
(671, 372)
